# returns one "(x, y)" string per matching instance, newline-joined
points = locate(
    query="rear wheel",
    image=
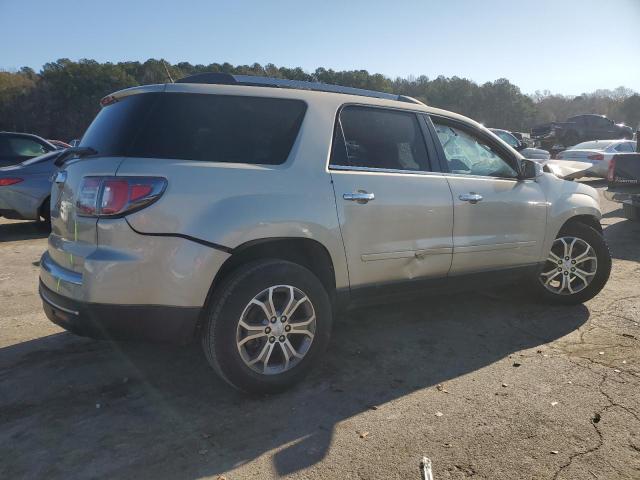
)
(267, 325)
(577, 266)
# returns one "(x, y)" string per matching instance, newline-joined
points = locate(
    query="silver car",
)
(25, 188)
(597, 153)
(246, 211)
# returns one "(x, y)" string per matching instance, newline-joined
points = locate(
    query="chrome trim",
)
(420, 254)
(480, 177)
(470, 197)
(493, 246)
(59, 273)
(383, 170)
(56, 306)
(360, 197)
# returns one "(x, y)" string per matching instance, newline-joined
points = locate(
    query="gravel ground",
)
(487, 385)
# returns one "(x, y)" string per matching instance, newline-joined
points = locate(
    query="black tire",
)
(225, 310)
(630, 212)
(597, 241)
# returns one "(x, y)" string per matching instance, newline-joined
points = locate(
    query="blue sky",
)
(566, 46)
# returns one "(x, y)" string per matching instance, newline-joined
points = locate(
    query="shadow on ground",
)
(622, 238)
(73, 407)
(15, 231)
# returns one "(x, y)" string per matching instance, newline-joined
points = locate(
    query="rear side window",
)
(185, 126)
(379, 138)
(114, 128)
(218, 128)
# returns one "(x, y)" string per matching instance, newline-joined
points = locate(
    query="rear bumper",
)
(157, 323)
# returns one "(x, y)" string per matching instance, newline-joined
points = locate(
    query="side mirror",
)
(530, 169)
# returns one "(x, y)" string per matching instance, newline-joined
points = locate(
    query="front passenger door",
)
(499, 220)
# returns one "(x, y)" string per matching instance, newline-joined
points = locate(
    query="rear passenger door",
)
(395, 213)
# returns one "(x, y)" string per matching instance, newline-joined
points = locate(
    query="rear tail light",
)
(117, 196)
(5, 182)
(596, 156)
(611, 173)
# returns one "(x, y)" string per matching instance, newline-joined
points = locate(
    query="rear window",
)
(112, 131)
(212, 128)
(595, 145)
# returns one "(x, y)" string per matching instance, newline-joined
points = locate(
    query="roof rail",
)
(256, 81)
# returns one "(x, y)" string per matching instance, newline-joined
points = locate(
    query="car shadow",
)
(622, 238)
(15, 231)
(74, 407)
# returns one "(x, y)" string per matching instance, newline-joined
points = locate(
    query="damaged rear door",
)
(396, 215)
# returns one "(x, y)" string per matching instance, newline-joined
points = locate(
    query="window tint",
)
(220, 128)
(379, 138)
(25, 147)
(112, 131)
(468, 154)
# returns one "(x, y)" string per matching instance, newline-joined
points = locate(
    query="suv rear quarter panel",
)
(232, 203)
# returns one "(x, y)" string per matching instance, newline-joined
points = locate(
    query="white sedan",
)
(597, 153)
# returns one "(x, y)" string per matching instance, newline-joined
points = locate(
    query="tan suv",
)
(246, 210)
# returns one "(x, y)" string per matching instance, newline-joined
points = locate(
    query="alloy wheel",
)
(276, 329)
(570, 267)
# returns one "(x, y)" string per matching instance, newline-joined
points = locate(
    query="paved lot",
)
(526, 391)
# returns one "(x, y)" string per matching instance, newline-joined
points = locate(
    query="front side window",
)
(468, 154)
(25, 147)
(379, 138)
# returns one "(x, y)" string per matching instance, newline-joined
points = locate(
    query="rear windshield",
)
(213, 128)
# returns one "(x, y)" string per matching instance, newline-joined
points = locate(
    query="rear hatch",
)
(74, 235)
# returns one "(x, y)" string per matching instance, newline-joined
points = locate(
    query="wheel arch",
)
(307, 252)
(585, 219)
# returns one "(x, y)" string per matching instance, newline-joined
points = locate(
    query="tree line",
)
(62, 98)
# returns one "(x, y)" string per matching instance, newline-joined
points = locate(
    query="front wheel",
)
(267, 325)
(577, 267)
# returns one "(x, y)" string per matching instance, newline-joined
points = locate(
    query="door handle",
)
(470, 197)
(360, 196)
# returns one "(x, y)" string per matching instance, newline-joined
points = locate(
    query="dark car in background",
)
(25, 188)
(556, 136)
(17, 147)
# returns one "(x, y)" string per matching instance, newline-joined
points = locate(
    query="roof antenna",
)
(164, 64)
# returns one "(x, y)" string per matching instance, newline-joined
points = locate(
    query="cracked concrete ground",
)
(527, 391)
